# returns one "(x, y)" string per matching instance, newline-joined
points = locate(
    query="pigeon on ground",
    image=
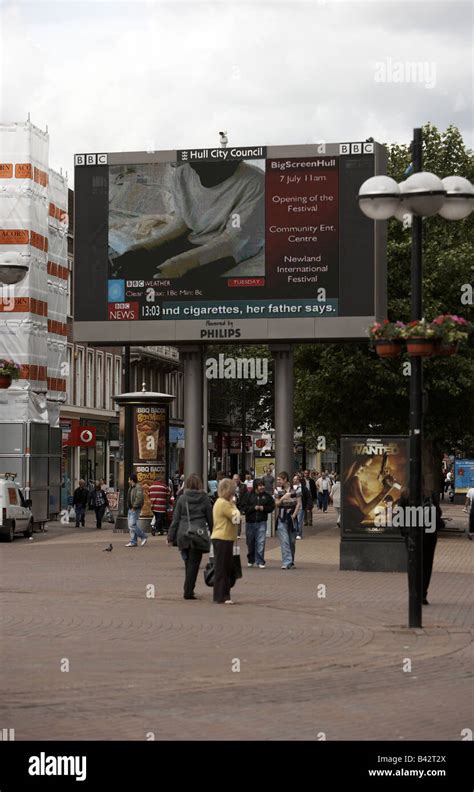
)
(108, 549)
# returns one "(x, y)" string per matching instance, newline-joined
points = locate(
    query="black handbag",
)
(209, 573)
(236, 573)
(198, 535)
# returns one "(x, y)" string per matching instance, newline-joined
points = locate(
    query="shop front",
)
(90, 452)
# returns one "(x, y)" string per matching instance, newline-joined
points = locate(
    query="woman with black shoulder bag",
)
(190, 530)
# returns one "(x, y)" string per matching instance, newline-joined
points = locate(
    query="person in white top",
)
(248, 482)
(336, 498)
(323, 486)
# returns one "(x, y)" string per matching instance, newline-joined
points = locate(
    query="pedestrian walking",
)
(311, 485)
(159, 495)
(226, 519)
(302, 492)
(323, 486)
(135, 501)
(470, 507)
(288, 505)
(269, 480)
(248, 482)
(98, 501)
(80, 499)
(336, 498)
(258, 505)
(192, 509)
(430, 537)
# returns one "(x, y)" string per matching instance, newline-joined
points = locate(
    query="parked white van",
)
(15, 512)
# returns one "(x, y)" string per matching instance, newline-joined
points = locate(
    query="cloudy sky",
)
(111, 76)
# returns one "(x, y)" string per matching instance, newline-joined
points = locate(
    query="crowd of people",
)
(182, 509)
(220, 512)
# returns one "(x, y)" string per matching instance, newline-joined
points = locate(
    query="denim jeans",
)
(256, 534)
(133, 527)
(300, 519)
(80, 515)
(99, 515)
(324, 499)
(287, 537)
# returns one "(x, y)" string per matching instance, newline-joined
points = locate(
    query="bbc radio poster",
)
(150, 427)
(374, 474)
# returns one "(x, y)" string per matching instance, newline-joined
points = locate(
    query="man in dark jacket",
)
(256, 506)
(308, 509)
(80, 500)
(135, 501)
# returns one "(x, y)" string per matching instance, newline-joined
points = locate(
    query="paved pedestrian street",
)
(312, 653)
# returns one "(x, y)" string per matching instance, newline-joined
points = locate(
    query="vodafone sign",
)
(83, 436)
(87, 437)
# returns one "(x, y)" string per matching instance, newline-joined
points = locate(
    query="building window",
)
(69, 374)
(79, 378)
(90, 378)
(117, 377)
(99, 374)
(109, 405)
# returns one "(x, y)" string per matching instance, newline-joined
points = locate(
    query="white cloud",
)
(126, 75)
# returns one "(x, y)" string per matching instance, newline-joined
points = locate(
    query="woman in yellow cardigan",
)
(226, 519)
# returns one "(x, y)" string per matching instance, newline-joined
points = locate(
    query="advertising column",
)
(143, 447)
(150, 434)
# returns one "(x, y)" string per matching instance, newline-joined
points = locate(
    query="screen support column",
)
(284, 441)
(193, 437)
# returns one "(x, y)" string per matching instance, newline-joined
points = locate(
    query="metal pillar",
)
(126, 373)
(284, 430)
(193, 439)
(205, 423)
(415, 539)
(244, 429)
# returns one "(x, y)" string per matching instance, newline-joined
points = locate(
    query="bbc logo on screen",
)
(356, 148)
(90, 159)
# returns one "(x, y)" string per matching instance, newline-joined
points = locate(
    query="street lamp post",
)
(415, 536)
(422, 195)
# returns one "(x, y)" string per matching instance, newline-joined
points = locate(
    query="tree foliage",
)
(226, 397)
(345, 388)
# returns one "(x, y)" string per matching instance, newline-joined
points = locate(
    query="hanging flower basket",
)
(388, 347)
(421, 347)
(386, 338)
(450, 330)
(445, 349)
(8, 371)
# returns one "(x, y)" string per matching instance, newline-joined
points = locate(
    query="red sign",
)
(239, 282)
(260, 443)
(83, 436)
(123, 311)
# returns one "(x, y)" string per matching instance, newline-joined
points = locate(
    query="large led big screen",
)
(225, 243)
